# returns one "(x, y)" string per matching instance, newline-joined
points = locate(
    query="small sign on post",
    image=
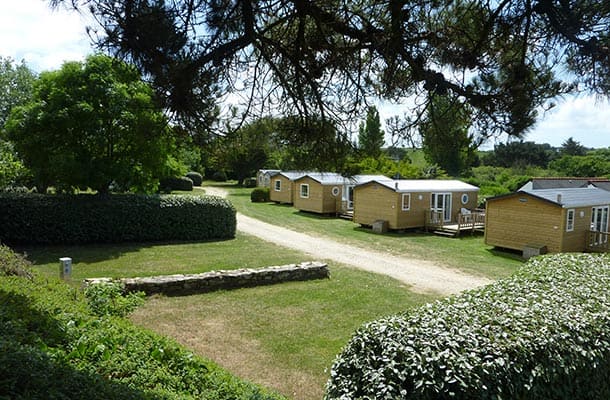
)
(65, 268)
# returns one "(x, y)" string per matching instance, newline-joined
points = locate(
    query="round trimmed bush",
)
(250, 182)
(176, 183)
(196, 177)
(219, 176)
(260, 195)
(542, 334)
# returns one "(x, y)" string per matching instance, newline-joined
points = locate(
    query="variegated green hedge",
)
(542, 334)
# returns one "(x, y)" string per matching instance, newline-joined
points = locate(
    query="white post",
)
(65, 268)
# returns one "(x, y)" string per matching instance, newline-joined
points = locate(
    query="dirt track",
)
(421, 275)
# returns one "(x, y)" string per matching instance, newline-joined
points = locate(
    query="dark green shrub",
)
(117, 218)
(53, 347)
(260, 195)
(219, 176)
(250, 182)
(196, 177)
(13, 264)
(180, 183)
(541, 334)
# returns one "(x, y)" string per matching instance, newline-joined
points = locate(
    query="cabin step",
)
(445, 233)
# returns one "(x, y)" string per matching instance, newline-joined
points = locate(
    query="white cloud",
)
(44, 38)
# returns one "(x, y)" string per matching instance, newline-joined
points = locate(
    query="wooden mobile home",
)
(407, 204)
(282, 188)
(263, 177)
(328, 193)
(557, 220)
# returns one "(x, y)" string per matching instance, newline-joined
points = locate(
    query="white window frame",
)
(277, 185)
(570, 217)
(306, 187)
(408, 205)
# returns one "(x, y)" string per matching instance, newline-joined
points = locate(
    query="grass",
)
(147, 259)
(282, 336)
(467, 253)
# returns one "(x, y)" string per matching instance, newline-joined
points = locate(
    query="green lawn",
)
(129, 260)
(467, 253)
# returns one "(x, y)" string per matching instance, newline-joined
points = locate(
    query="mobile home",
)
(559, 220)
(406, 204)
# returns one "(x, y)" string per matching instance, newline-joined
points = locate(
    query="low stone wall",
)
(176, 285)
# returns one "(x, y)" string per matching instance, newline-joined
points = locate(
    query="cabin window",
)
(304, 190)
(278, 185)
(406, 201)
(570, 220)
(465, 198)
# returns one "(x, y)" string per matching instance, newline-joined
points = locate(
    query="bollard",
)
(65, 268)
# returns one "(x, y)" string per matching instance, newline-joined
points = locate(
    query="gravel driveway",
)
(421, 275)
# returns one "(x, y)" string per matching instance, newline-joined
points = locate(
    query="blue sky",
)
(29, 30)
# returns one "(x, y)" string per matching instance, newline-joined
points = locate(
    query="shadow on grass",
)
(27, 371)
(91, 253)
(506, 253)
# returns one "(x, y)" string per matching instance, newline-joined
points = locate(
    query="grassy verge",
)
(282, 336)
(467, 253)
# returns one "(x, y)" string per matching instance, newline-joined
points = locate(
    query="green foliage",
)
(593, 165)
(445, 135)
(13, 264)
(219, 176)
(385, 166)
(108, 299)
(31, 218)
(196, 177)
(182, 183)
(11, 167)
(541, 334)
(92, 124)
(52, 346)
(370, 134)
(520, 154)
(572, 148)
(260, 195)
(16, 85)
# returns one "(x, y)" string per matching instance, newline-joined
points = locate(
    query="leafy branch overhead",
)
(326, 58)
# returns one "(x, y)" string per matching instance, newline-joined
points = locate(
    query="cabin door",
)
(441, 203)
(599, 223)
(350, 197)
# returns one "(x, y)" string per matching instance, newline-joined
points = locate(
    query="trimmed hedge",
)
(48, 219)
(179, 183)
(260, 195)
(196, 177)
(52, 346)
(542, 334)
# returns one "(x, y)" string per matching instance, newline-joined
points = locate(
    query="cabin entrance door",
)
(441, 203)
(599, 223)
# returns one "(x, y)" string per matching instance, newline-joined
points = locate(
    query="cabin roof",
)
(567, 197)
(293, 175)
(427, 185)
(561, 182)
(331, 178)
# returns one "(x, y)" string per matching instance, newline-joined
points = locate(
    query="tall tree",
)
(572, 148)
(16, 85)
(324, 58)
(370, 135)
(446, 140)
(92, 124)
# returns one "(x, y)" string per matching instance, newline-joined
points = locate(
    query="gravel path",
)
(422, 275)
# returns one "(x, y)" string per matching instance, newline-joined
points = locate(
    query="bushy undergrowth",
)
(46, 219)
(542, 334)
(109, 299)
(53, 347)
(13, 264)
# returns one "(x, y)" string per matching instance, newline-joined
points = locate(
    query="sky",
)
(45, 38)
